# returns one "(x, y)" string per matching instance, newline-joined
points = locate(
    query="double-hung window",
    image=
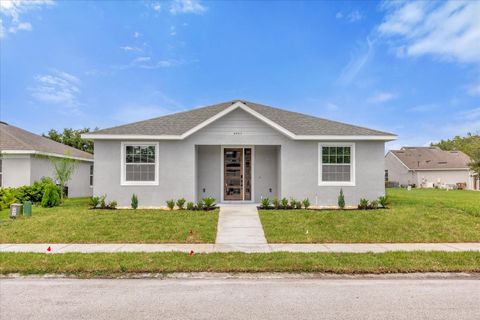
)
(91, 175)
(139, 163)
(336, 164)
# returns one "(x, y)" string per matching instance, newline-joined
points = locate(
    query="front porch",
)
(237, 173)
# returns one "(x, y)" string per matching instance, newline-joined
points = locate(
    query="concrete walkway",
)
(239, 226)
(249, 248)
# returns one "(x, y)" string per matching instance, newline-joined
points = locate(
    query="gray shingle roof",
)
(417, 158)
(297, 123)
(14, 138)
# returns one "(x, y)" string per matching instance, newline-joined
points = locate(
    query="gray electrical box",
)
(15, 210)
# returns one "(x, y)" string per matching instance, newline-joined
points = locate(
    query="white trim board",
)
(234, 106)
(47, 154)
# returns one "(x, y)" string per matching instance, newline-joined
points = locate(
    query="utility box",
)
(27, 209)
(15, 210)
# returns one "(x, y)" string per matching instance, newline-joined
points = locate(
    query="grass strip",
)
(111, 264)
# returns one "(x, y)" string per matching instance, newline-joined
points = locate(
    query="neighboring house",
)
(429, 167)
(238, 151)
(24, 160)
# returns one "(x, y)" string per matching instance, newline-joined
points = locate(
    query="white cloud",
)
(137, 34)
(356, 63)
(12, 11)
(382, 97)
(354, 16)
(130, 48)
(146, 62)
(59, 88)
(157, 6)
(424, 108)
(187, 6)
(331, 106)
(474, 89)
(448, 30)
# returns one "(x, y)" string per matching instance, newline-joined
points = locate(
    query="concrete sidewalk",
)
(248, 248)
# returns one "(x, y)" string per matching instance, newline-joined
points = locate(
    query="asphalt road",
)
(239, 299)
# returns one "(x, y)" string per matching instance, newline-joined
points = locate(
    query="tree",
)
(63, 167)
(72, 137)
(469, 145)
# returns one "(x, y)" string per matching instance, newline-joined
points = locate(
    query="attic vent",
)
(442, 162)
(237, 133)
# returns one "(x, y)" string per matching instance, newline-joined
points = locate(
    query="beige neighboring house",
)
(429, 167)
(24, 160)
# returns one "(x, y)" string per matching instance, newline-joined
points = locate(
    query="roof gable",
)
(431, 158)
(292, 124)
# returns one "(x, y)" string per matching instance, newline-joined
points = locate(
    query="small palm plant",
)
(284, 203)
(190, 205)
(209, 203)
(265, 204)
(276, 203)
(306, 203)
(170, 204)
(383, 200)
(181, 203)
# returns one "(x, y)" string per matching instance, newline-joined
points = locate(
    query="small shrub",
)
(293, 203)
(373, 204)
(298, 204)
(181, 203)
(284, 203)
(51, 197)
(341, 200)
(209, 203)
(134, 202)
(276, 203)
(103, 203)
(363, 205)
(112, 205)
(7, 197)
(190, 205)
(265, 203)
(200, 205)
(94, 202)
(306, 203)
(170, 204)
(383, 200)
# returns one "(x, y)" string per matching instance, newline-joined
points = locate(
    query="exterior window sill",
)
(337, 184)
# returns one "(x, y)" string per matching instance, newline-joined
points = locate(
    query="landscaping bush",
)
(298, 205)
(373, 204)
(94, 202)
(383, 200)
(181, 203)
(363, 205)
(190, 205)
(306, 203)
(284, 203)
(103, 203)
(112, 205)
(170, 204)
(293, 203)
(134, 202)
(200, 205)
(7, 197)
(265, 203)
(341, 200)
(33, 193)
(51, 197)
(209, 203)
(276, 203)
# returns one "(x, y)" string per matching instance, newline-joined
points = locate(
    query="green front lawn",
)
(73, 222)
(420, 215)
(113, 264)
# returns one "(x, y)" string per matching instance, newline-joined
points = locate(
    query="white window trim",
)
(350, 183)
(123, 181)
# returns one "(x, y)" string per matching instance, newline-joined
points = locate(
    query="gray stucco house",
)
(24, 160)
(429, 167)
(238, 151)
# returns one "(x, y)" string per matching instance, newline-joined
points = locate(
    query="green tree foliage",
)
(470, 145)
(63, 169)
(50, 198)
(72, 137)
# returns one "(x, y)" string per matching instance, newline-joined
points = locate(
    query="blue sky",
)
(411, 68)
